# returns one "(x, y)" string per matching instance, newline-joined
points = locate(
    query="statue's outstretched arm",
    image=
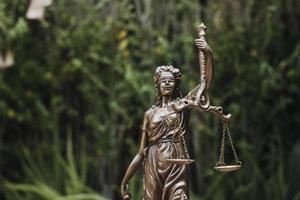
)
(198, 98)
(136, 162)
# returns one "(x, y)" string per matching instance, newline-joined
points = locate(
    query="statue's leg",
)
(176, 184)
(164, 180)
(152, 180)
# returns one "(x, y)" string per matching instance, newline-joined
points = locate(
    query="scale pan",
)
(227, 168)
(180, 161)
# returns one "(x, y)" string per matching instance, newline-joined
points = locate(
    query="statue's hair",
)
(157, 75)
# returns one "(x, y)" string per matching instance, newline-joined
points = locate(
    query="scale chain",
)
(184, 144)
(231, 144)
(221, 158)
(182, 139)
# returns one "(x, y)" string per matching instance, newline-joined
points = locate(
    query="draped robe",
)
(164, 180)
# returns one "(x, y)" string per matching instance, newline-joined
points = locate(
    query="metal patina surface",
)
(163, 152)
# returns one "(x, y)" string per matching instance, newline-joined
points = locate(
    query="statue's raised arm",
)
(199, 96)
(206, 69)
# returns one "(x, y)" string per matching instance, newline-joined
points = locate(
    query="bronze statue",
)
(163, 152)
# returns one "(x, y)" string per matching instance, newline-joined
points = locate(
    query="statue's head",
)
(167, 80)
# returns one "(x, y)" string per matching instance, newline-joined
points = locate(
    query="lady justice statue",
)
(163, 152)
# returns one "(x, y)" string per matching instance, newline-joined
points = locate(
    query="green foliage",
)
(50, 177)
(87, 69)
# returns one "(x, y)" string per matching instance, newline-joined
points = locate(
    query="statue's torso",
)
(163, 124)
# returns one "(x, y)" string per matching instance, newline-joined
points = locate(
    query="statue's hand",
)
(202, 44)
(125, 192)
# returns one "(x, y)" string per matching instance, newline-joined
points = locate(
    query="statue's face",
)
(166, 84)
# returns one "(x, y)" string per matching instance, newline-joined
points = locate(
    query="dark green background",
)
(72, 105)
